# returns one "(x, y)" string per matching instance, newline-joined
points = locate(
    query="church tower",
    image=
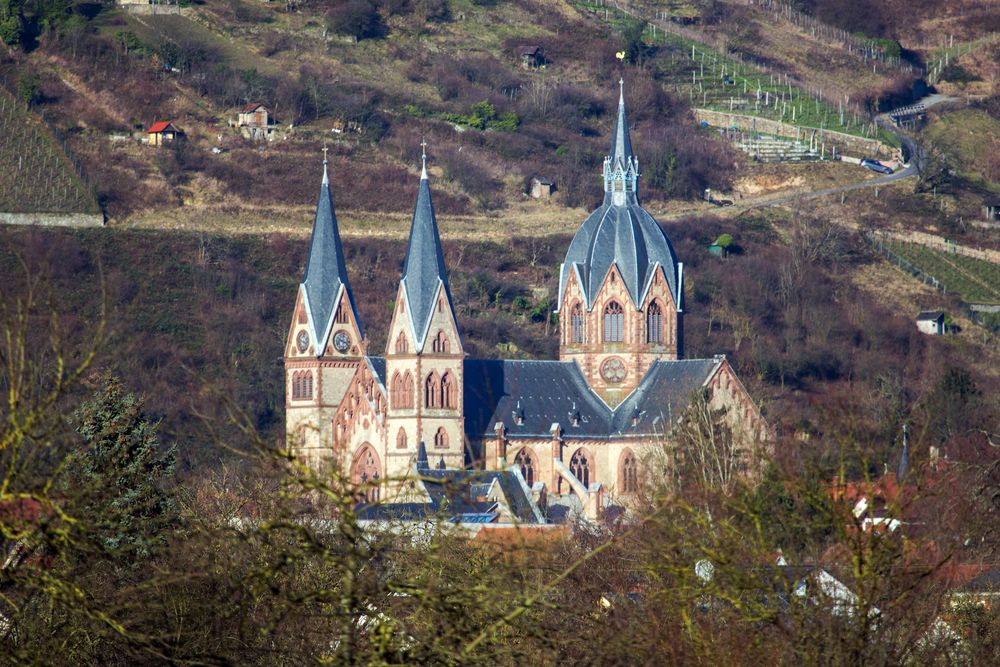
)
(325, 340)
(424, 353)
(620, 285)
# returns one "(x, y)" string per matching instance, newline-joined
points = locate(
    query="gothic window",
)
(576, 323)
(402, 345)
(614, 323)
(580, 465)
(447, 391)
(408, 390)
(401, 391)
(432, 391)
(366, 474)
(654, 323)
(441, 439)
(525, 460)
(440, 343)
(341, 316)
(628, 475)
(401, 439)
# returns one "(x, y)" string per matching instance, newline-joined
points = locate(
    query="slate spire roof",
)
(620, 232)
(423, 267)
(326, 270)
(621, 146)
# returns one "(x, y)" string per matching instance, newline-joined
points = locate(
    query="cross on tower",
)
(325, 149)
(423, 151)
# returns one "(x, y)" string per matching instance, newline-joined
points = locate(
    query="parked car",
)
(868, 163)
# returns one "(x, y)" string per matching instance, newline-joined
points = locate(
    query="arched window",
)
(408, 391)
(441, 343)
(401, 439)
(447, 391)
(654, 323)
(341, 316)
(580, 465)
(441, 439)
(576, 323)
(302, 386)
(628, 473)
(525, 460)
(401, 390)
(614, 323)
(366, 473)
(402, 345)
(432, 391)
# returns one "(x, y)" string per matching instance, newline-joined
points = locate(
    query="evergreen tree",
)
(120, 476)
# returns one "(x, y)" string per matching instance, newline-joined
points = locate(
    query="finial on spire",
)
(621, 88)
(423, 159)
(326, 178)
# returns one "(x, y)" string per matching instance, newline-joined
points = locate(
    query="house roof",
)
(457, 496)
(530, 50)
(929, 315)
(326, 268)
(160, 126)
(530, 396)
(423, 267)
(250, 108)
(542, 180)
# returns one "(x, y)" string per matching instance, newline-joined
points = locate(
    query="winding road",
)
(917, 158)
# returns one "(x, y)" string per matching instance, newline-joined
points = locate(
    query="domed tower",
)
(620, 286)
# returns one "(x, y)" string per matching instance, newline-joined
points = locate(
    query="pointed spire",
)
(422, 463)
(621, 146)
(621, 169)
(423, 160)
(326, 269)
(904, 459)
(423, 268)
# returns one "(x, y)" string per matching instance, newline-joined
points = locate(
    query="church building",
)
(574, 432)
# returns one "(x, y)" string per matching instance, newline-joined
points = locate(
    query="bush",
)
(356, 18)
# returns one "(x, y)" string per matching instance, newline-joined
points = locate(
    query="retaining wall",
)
(53, 219)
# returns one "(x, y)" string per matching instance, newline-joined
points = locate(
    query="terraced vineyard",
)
(975, 280)
(36, 175)
(712, 80)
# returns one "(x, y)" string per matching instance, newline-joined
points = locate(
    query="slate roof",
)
(326, 269)
(454, 497)
(621, 142)
(929, 315)
(423, 267)
(624, 235)
(546, 392)
(619, 233)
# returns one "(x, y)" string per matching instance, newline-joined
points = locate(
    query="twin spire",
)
(424, 273)
(326, 281)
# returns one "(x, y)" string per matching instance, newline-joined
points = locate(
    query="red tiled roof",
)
(250, 108)
(158, 126)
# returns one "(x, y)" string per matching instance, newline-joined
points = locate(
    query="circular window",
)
(302, 341)
(613, 370)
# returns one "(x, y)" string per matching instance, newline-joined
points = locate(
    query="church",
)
(574, 433)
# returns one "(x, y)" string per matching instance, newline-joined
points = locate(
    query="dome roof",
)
(625, 235)
(620, 232)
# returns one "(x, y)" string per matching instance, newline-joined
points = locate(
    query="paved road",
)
(917, 158)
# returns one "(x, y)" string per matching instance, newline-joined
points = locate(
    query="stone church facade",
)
(576, 431)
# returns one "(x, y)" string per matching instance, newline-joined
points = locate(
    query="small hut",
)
(931, 322)
(532, 57)
(542, 188)
(162, 132)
